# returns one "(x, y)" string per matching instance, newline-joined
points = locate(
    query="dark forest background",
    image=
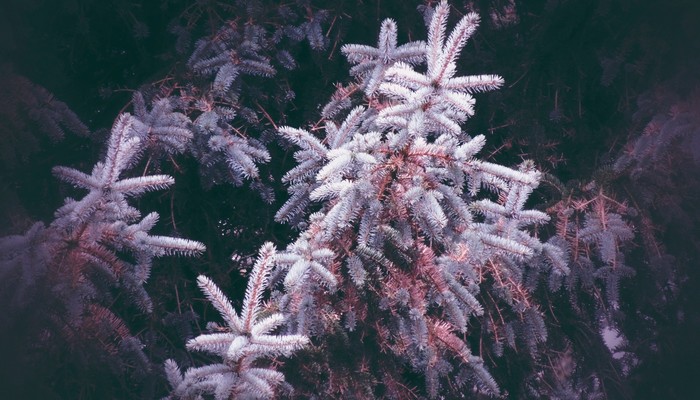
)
(584, 78)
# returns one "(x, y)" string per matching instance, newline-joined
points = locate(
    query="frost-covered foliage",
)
(417, 239)
(102, 223)
(95, 244)
(223, 95)
(246, 338)
(421, 260)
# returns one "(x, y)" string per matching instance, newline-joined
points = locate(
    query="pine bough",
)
(244, 340)
(416, 237)
(95, 243)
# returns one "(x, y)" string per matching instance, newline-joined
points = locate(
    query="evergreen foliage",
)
(539, 245)
(95, 243)
(245, 339)
(389, 175)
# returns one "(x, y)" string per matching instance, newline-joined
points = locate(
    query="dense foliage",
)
(537, 244)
